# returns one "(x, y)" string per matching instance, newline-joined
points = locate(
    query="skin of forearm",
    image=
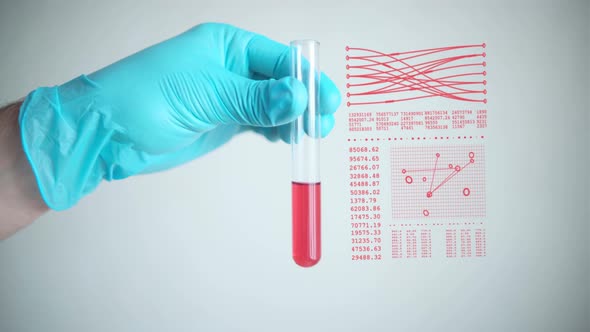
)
(20, 201)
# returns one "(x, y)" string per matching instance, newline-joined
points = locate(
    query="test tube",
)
(305, 154)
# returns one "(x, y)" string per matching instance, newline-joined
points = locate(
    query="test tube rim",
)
(305, 42)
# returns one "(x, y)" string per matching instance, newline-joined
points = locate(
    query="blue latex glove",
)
(162, 107)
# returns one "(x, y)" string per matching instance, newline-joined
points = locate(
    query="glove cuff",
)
(63, 133)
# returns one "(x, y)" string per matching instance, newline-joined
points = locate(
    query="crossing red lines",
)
(453, 72)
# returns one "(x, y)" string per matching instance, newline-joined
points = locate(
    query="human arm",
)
(20, 202)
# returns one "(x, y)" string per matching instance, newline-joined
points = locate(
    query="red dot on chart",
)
(347, 67)
(483, 45)
(485, 92)
(484, 73)
(485, 101)
(348, 48)
(485, 82)
(426, 213)
(438, 155)
(457, 168)
(429, 194)
(450, 165)
(347, 58)
(484, 64)
(347, 85)
(347, 76)
(466, 192)
(409, 179)
(348, 94)
(471, 155)
(424, 179)
(483, 54)
(404, 171)
(472, 160)
(348, 104)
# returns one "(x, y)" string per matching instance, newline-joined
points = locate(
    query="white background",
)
(207, 246)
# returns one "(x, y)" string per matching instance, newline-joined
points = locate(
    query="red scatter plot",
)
(454, 186)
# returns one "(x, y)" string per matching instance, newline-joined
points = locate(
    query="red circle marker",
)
(429, 194)
(347, 76)
(472, 160)
(347, 58)
(424, 179)
(485, 92)
(348, 104)
(347, 67)
(485, 82)
(348, 48)
(348, 94)
(483, 45)
(438, 155)
(457, 168)
(426, 213)
(485, 101)
(466, 192)
(483, 54)
(404, 171)
(450, 165)
(409, 179)
(484, 63)
(471, 155)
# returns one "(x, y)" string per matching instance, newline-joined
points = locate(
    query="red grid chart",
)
(438, 181)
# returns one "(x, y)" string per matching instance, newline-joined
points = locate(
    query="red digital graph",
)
(438, 181)
(453, 72)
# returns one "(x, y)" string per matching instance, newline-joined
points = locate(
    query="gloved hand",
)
(162, 107)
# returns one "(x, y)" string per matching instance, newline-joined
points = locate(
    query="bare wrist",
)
(20, 201)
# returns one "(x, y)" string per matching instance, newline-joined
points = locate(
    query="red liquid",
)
(307, 245)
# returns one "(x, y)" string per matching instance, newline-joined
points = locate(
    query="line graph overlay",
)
(453, 72)
(438, 181)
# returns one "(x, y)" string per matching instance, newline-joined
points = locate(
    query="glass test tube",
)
(305, 154)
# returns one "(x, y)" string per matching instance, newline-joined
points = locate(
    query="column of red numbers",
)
(365, 202)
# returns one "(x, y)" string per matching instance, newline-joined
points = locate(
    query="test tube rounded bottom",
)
(307, 248)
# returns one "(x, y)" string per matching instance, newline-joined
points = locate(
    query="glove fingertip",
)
(328, 122)
(288, 99)
(330, 97)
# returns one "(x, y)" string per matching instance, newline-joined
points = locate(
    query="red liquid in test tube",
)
(305, 151)
(307, 240)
